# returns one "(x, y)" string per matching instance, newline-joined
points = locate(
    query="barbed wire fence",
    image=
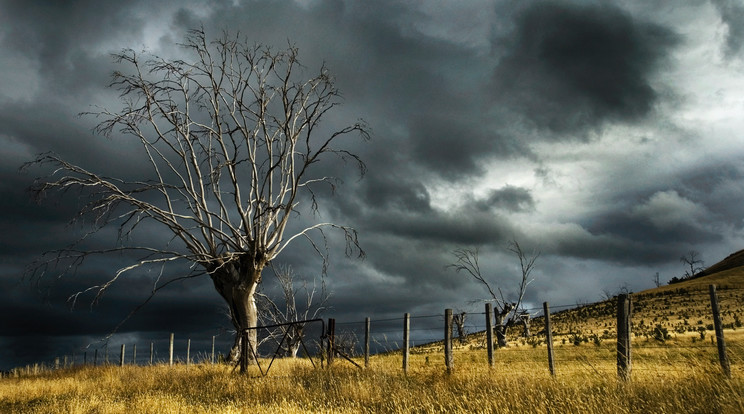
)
(425, 341)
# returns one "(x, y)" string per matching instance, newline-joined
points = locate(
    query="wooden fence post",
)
(366, 342)
(406, 332)
(56, 363)
(152, 351)
(212, 358)
(188, 351)
(448, 360)
(246, 348)
(489, 334)
(170, 351)
(720, 341)
(121, 357)
(134, 354)
(331, 339)
(624, 363)
(549, 338)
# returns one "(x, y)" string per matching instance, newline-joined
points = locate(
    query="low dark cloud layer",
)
(605, 136)
(571, 68)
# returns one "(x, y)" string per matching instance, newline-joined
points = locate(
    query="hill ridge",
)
(731, 261)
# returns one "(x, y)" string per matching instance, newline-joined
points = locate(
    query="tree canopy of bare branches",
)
(507, 312)
(693, 264)
(232, 138)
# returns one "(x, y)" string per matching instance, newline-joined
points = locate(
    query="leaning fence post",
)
(121, 357)
(623, 336)
(170, 350)
(331, 339)
(549, 338)
(489, 334)
(720, 341)
(366, 342)
(448, 360)
(406, 332)
(188, 351)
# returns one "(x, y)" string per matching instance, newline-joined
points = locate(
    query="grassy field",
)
(671, 377)
(675, 370)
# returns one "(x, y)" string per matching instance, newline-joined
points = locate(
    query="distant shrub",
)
(661, 334)
(701, 331)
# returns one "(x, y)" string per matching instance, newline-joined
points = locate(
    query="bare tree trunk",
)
(294, 340)
(525, 320)
(243, 315)
(500, 328)
(459, 320)
(238, 288)
(501, 323)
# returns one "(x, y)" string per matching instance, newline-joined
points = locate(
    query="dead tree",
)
(232, 139)
(297, 303)
(693, 264)
(459, 320)
(506, 313)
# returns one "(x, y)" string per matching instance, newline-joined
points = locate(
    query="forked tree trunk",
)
(525, 321)
(238, 287)
(293, 341)
(459, 320)
(500, 330)
(501, 324)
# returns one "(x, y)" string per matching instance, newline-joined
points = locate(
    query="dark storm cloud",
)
(569, 68)
(650, 225)
(732, 14)
(509, 198)
(62, 37)
(405, 193)
(421, 94)
(460, 226)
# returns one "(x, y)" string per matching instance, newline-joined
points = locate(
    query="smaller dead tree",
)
(297, 303)
(693, 264)
(506, 313)
(346, 343)
(459, 321)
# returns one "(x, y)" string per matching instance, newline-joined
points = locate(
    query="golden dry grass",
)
(666, 378)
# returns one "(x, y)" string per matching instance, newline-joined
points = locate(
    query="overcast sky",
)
(605, 135)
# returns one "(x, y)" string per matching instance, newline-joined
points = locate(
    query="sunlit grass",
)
(665, 378)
